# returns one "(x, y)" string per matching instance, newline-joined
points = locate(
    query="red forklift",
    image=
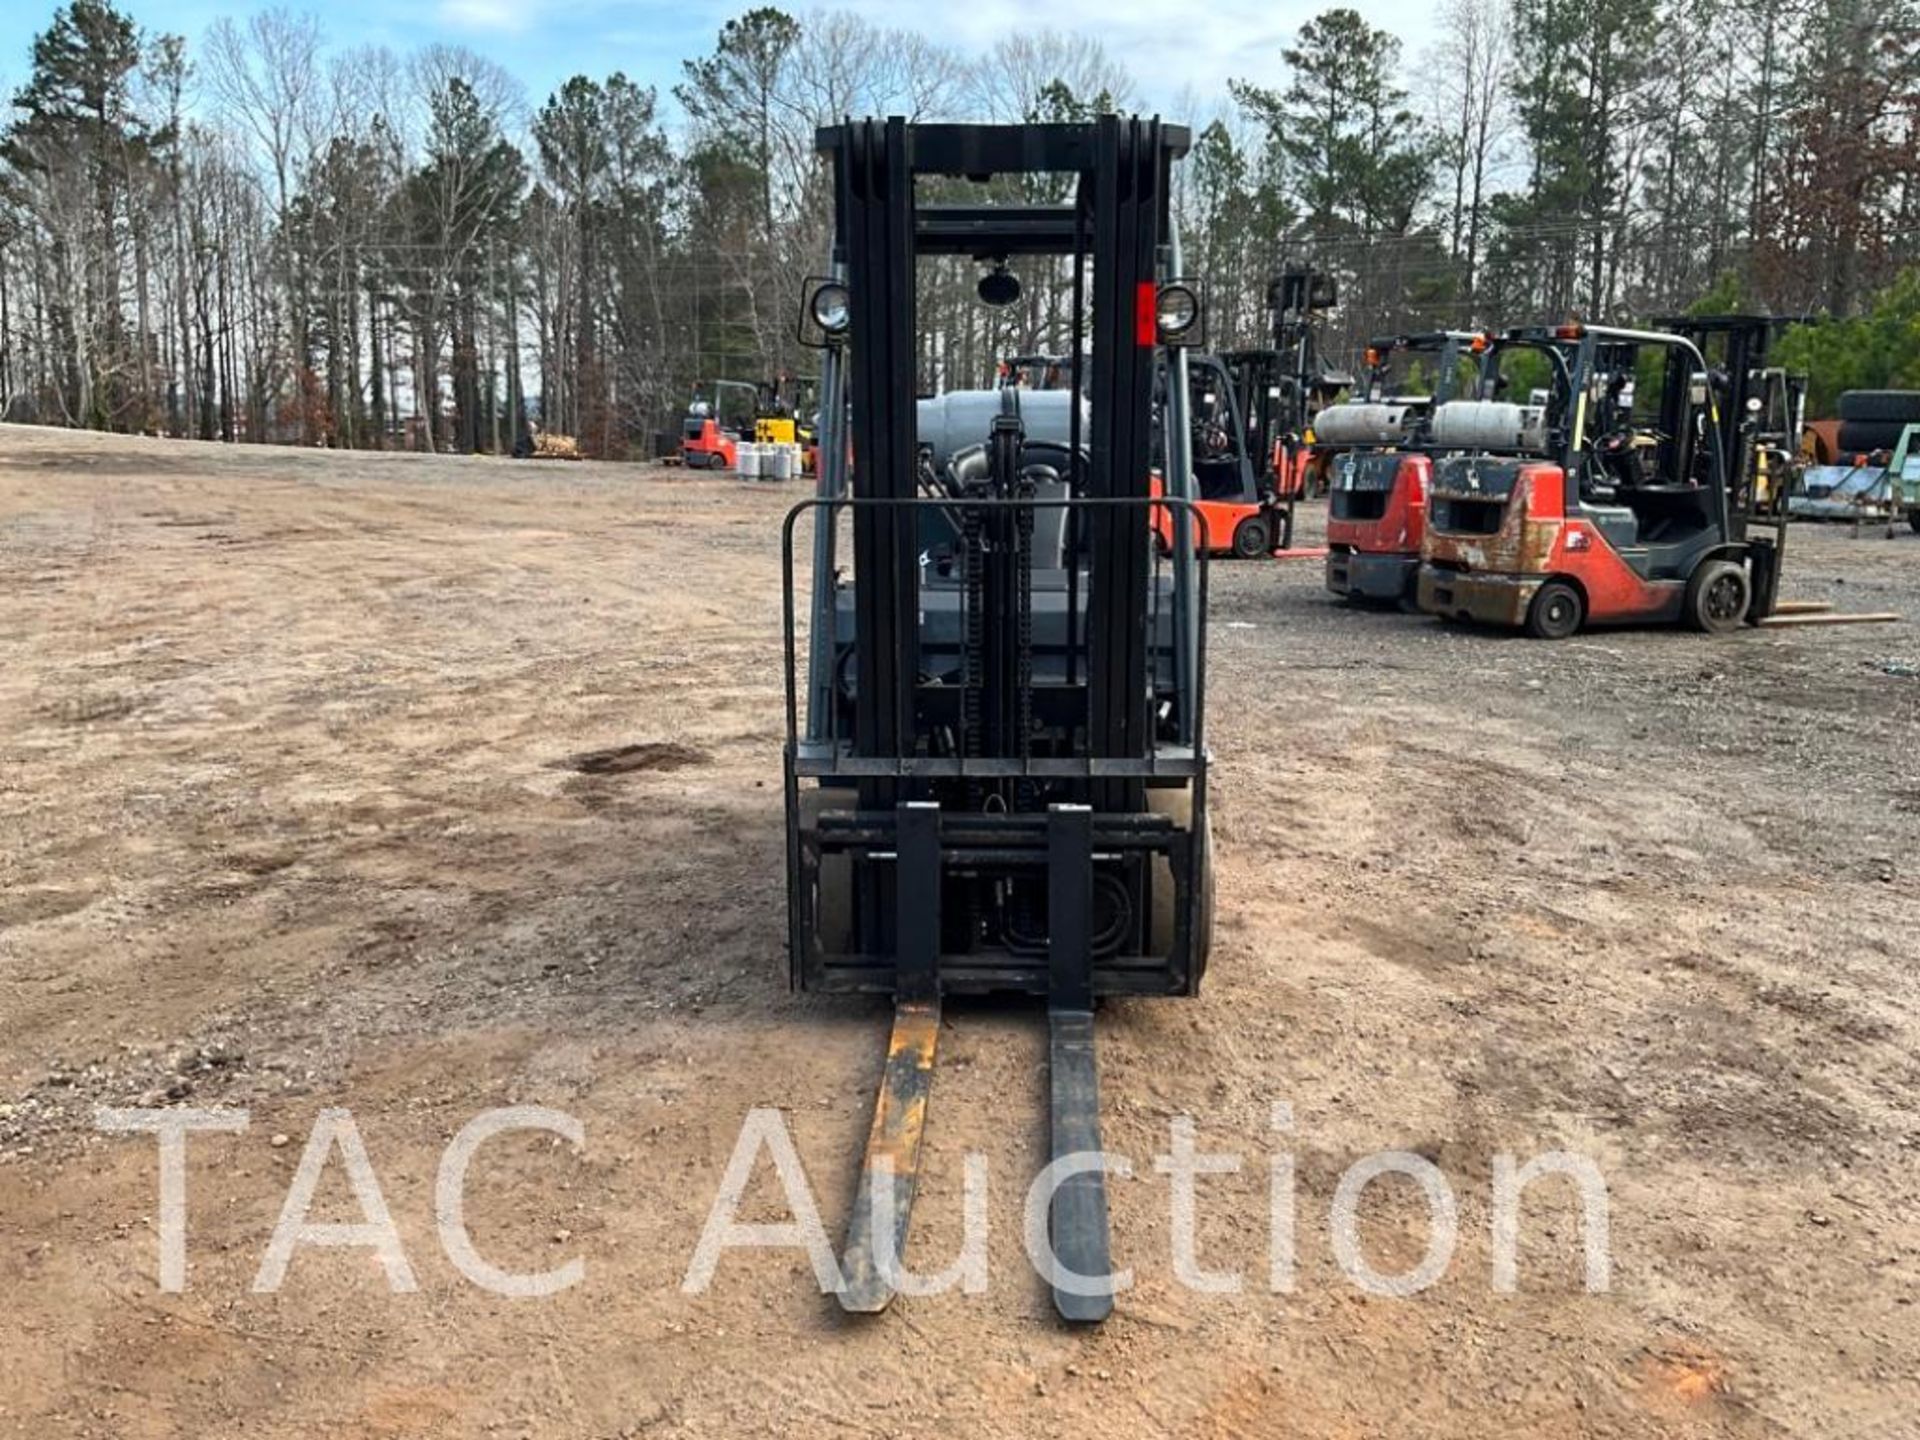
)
(1594, 508)
(1035, 372)
(1377, 507)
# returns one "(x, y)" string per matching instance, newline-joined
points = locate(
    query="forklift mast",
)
(1298, 299)
(1761, 407)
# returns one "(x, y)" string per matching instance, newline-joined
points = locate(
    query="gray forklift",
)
(995, 762)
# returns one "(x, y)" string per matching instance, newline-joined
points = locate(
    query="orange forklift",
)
(1594, 508)
(1233, 487)
(1377, 508)
(1254, 450)
(707, 442)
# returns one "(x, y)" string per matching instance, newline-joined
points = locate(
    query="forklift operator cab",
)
(1220, 468)
(1598, 507)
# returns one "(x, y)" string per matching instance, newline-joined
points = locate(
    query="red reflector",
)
(1146, 313)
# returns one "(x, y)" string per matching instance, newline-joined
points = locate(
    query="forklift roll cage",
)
(1594, 355)
(1448, 347)
(1376, 502)
(1000, 730)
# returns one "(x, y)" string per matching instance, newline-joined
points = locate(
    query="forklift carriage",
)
(995, 765)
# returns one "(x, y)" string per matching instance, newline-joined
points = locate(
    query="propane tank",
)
(1489, 425)
(959, 418)
(1360, 422)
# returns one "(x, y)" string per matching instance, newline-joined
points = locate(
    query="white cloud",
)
(496, 16)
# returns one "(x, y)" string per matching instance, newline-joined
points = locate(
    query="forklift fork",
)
(1077, 1219)
(892, 1164)
(1077, 1216)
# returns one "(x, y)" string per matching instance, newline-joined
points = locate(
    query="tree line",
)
(256, 236)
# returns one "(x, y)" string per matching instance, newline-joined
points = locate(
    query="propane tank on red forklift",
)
(1588, 504)
(1376, 508)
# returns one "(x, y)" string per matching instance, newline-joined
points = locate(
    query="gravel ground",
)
(419, 786)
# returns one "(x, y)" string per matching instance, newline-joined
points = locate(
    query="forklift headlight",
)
(1177, 312)
(832, 309)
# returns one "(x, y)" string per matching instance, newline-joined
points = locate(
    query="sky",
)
(1176, 53)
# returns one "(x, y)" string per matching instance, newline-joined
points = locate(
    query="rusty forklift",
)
(1594, 507)
(1377, 506)
(995, 763)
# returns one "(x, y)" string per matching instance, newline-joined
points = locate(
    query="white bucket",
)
(749, 460)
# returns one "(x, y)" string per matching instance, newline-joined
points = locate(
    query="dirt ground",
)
(420, 786)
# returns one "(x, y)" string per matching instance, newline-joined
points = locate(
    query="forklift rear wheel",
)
(1179, 805)
(1251, 539)
(1557, 611)
(1718, 596)
(1913, 519)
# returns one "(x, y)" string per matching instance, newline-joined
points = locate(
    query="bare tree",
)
(1011, 81)
(1471, 66)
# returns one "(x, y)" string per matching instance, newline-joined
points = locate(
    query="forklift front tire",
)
(1557, 611)
(1252, 539)
(1179, 805)
(1913, 519)
(1718, 596)
(833, 899)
